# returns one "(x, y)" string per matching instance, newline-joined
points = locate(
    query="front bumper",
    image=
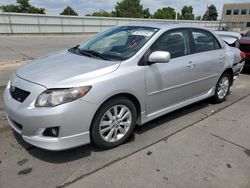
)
(73, 119)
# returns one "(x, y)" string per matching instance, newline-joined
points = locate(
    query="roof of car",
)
(164, 25)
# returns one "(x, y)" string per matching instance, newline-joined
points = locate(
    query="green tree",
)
(10, 8)
(186, 13)
(102, 13)
(165, 13)
(146, 13)
(129, 9)
(23, 6)
(198, 18)
(69, 11)
(211, 13)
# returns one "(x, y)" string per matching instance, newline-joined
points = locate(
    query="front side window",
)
(204, 41)
(119, 43)
(175, 42)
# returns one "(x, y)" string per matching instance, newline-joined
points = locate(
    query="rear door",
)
(208, 58)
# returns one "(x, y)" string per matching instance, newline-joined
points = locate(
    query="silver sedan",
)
(97, 91)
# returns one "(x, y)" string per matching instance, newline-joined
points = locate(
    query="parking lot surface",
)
(202, 145)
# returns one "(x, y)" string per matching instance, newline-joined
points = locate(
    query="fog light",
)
(53, 132)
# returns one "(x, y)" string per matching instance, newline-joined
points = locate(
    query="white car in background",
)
(231, 38)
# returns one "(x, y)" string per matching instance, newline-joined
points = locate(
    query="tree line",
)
(125, 8)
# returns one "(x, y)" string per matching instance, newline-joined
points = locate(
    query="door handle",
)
(191, 64)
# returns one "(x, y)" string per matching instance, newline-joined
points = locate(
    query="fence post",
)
(39, 25)
(10, 24)
(101, 25)
(62, 23)
(83, 29)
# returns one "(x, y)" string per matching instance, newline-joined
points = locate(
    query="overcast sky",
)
(82, 7)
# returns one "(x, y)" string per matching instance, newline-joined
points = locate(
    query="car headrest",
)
(203, 39)
(175, 39)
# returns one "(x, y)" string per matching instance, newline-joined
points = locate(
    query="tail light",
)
(243, 55)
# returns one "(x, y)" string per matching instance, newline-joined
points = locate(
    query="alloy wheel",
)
(115, 123)
(223, 87)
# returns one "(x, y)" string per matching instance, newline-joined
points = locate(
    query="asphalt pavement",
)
(202, 145)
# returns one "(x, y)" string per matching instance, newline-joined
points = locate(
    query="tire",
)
(109, 130)
(222, 88)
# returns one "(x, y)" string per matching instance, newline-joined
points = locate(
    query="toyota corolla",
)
(97, 91)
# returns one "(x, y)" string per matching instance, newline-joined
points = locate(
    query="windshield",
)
(119, 43)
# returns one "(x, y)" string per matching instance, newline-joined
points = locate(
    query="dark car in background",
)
(245, 47)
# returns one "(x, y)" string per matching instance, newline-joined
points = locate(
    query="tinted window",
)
(175, 42)
(248, 25)
(204, 41)
(244, 11)
(236, 12)
(229, 12)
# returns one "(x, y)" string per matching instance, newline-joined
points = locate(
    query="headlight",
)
(54, 97)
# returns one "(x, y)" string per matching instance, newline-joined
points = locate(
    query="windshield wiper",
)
(92, 53)
(74, 49)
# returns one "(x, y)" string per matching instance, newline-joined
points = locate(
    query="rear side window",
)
(176, 42)
(204, 41)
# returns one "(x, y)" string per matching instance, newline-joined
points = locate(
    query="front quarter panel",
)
(128, 78)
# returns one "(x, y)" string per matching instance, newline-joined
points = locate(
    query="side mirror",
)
(159, 57)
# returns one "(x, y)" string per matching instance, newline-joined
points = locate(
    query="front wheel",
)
(113, 123)
(222, 88)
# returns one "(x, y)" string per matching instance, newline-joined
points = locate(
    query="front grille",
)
(18, 94)
(245, 47)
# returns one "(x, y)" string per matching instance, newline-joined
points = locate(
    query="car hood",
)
(65, 69)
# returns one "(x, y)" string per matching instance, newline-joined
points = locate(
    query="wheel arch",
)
(129, 96)
(230, 72)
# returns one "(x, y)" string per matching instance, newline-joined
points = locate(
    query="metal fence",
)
(15, 23)
(240, 27)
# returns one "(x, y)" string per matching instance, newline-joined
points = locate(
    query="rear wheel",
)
(113, 123)
(222, 88)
